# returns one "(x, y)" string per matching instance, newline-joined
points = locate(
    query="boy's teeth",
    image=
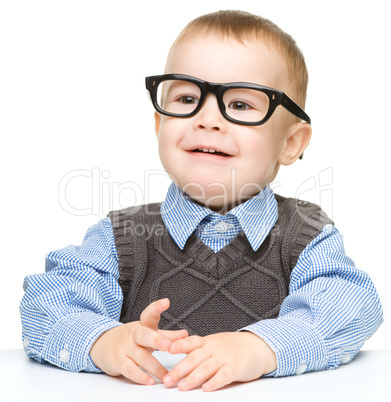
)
(207, 150)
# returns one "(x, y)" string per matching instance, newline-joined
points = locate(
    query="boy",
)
(243, 281)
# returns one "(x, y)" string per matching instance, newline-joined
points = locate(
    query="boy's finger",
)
(148, 338)
(131, 370)
(220, 379)
(187, 345)
(174, 335)
(150, 316)
(186, 366)
(149, 363)
(200, 374)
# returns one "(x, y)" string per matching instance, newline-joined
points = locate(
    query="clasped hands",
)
(212, 361)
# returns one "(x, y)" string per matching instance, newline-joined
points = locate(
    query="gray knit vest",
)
(209, 292)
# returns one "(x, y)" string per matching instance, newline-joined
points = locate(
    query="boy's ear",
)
(157, 123)
(298, 138)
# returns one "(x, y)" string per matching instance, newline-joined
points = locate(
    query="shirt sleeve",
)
(331, 310)
(65, 309)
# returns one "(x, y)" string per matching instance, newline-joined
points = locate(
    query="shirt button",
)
(64, 356)
(345, 359)
(221, 227)
(301, 369)
(26, 342)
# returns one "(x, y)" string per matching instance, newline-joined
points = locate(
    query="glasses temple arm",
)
(295, 109)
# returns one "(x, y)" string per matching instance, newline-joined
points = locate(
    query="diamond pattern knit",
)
(210, 292)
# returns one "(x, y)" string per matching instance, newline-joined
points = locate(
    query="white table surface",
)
(366, 378)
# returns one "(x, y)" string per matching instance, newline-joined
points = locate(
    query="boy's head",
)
(219, 160)
(244, 26)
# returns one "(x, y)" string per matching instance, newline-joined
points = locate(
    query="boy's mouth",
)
(210, 151)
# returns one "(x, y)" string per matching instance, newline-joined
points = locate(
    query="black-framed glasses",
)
(243, 103)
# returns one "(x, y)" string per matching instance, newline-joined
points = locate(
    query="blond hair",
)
(243, 25)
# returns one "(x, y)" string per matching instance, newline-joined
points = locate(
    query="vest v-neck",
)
(217, 264)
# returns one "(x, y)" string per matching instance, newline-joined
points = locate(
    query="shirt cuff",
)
(298, 347)
(69, 343)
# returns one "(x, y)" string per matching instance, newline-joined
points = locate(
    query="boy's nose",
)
(209, 117)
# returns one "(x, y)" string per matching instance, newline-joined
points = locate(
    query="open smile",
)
(210, 151)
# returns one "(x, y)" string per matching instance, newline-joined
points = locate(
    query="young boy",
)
(245, 282)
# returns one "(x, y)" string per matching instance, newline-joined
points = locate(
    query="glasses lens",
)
(178, 97)
(247, 105)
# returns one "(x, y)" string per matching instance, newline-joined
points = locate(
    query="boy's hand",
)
(219, 359)
(127, 349)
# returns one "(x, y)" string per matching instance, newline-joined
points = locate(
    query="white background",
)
(76, 122)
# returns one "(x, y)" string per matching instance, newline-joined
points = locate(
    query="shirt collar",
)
(256, 216)
(181, 215)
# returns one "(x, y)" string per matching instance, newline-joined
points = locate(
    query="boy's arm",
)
(70, 314)
(331, 310)
(65, 309)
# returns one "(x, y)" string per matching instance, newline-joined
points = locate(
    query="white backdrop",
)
(77, 130)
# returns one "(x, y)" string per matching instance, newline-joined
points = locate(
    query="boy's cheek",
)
(157, 123)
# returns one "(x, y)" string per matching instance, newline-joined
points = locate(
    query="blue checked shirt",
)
(331, 310)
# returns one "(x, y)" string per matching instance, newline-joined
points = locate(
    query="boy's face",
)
(253, 153)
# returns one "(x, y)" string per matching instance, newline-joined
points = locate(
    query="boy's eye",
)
(188, 100)
(239, 105)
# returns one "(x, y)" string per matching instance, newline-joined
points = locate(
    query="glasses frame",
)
(275, 96)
